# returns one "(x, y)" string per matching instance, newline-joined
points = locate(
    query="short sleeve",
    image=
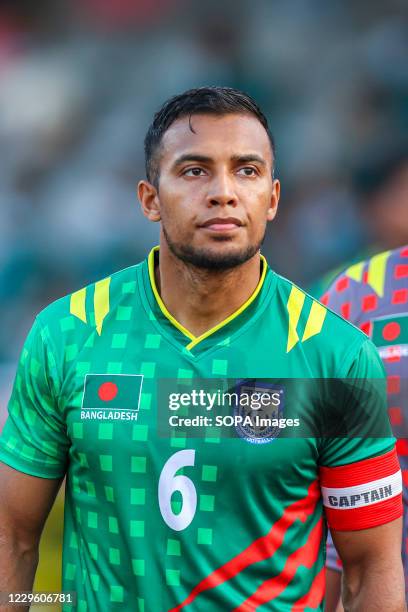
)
(366, 409)
(360, 477)
(34, 438)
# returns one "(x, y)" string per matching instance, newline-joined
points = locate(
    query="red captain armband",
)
(364, 494)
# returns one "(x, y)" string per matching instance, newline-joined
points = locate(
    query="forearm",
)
(18, 564)
(376, 588)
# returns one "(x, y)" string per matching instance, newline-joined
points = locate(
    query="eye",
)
(247, 171)
(193, 172)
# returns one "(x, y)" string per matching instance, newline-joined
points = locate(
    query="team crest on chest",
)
(259, 409)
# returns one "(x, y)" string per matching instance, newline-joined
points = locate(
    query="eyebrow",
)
(198, 157)
(251, 157)
(188, 157)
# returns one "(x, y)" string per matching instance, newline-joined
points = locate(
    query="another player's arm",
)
(373, 577)
(25, 504)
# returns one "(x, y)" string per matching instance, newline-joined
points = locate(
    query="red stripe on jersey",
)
(404, 252)
(365, 517)
(315, 596)
(305, 556)
(261, 549)
(360, 472)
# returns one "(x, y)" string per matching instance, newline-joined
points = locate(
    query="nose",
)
(222, 192)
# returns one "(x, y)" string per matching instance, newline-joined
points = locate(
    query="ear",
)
(273, 208)
(149, 201)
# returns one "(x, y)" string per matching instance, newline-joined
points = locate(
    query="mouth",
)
(222, 224)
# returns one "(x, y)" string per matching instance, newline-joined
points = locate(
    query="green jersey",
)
(155, 523)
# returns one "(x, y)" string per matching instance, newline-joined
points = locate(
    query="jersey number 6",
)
(169, 483)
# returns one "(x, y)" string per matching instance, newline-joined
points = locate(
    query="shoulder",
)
(370, 274)
(312, 325)
(366, 285)
(86, 309)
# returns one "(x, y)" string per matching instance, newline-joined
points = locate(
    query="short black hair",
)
(202, 100)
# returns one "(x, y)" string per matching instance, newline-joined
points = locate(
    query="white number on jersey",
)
(169, 483)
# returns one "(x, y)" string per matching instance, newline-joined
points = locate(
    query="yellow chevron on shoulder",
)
(355, 271)
(294, 305)
(315, 320)
(377, 267)
(101, 302)
(77, 304)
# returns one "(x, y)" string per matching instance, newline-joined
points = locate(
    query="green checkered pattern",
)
(120, 552)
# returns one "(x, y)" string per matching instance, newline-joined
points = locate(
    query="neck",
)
(200, 299)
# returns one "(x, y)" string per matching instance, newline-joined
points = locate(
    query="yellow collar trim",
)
(196, 339)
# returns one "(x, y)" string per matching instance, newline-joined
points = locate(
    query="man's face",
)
(216, 191)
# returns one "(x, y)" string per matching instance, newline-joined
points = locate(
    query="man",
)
(373, 295)
(241, 526)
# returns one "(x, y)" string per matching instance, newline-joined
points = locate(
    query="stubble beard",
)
(206, 259)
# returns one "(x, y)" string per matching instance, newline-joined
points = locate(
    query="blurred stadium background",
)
(79, 82)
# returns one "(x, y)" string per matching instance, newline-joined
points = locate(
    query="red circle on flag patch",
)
(108, 391)
(391, 331)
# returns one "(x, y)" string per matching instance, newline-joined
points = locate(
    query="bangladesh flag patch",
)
(389, 331)
(112, 392)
